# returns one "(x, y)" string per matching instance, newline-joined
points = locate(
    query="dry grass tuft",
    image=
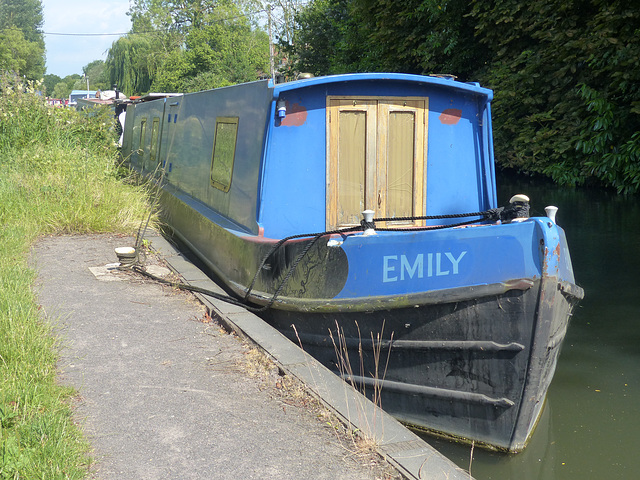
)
(292, 392)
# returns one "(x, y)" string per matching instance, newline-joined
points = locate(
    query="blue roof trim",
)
(398, 77)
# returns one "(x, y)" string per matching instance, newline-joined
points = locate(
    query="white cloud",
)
(67, 55)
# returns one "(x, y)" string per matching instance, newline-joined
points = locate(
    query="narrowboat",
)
(443, 307)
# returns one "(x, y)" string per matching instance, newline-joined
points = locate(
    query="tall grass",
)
(368, 360)
(58, 174)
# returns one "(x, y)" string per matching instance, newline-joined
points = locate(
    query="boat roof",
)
(439, 80)
(154, 96)
(96, 101)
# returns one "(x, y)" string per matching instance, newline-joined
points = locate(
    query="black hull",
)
(476, 370)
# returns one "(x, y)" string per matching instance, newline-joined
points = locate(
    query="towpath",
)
(166, 393)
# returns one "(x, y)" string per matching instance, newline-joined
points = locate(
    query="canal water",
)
(590, 428)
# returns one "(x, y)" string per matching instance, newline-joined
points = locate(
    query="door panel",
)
(352, 146)
(352, 183)
(400, 155)
(376, 159)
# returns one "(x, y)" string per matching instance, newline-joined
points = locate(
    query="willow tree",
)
(131, 63)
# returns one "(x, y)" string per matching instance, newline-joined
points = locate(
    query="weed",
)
(357, 381)
(361, 447)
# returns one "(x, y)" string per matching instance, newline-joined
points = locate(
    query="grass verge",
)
(58, 174)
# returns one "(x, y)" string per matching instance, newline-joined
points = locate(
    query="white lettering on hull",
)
(437, 264)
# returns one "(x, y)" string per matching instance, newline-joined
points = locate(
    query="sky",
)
(67, 55)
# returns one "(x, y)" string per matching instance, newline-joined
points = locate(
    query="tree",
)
(567, 88)
(61, 90)
(19, 56)
(322, 40)
(415, 36)
(97, 73)
(22, 43)
(187, 45)
(49, 82)
(25, 15)
(227, 50)
(419, 36)
(71, 80)
(219, 54)
(131, 63)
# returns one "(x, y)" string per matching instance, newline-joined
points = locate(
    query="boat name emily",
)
(438, 264)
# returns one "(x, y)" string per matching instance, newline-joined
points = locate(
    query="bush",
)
(27, 120)
(567, 88)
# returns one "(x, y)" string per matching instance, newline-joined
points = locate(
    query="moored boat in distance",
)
(449, 308)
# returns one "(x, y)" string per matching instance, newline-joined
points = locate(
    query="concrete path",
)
(162, 392)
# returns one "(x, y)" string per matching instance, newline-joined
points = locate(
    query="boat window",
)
(143, 128)
(154, 140)
(224, 150)
(376, 158)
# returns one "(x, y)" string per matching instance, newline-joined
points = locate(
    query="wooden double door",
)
(376, 159)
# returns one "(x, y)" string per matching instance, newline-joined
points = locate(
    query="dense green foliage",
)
(97, 74)
(567, 82)
(565, 73)
(418, 36)
(187, 46)
(58, 175)
(21, 41)
(25, 15)
(131, 62)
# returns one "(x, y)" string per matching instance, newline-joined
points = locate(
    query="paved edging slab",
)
(411, 455)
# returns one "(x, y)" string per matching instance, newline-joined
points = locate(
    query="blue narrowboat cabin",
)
(450, 308)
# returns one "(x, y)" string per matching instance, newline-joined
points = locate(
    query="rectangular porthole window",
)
(154, 140)
(224, 151)
(143, 129)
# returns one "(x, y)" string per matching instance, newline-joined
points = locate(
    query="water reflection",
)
(536, 462)
(590, 424)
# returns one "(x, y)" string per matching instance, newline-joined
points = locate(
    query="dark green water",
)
(590, 427)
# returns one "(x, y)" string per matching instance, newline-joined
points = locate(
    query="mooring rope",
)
(515, 210)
